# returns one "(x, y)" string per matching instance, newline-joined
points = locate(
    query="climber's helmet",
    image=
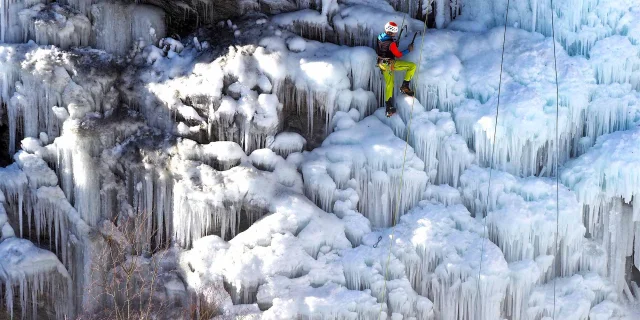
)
(391, 28)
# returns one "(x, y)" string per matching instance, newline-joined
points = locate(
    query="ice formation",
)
(116, 26)
(270, 183)
(433, 135)
(286, 143)
(527, 105)
(30, 274)
(586, 21)
(112, 26)
(41, 90)
(440, 247)
(56, 25)
(521, 216)
(363, 163)
(605, 179)
(581, 296)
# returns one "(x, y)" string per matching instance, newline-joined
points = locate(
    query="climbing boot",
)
(405, 89)
(391, 110)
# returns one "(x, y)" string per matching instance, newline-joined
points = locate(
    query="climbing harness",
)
(404, 160)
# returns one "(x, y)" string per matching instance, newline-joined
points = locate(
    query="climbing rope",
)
(493, 148)
(555, 65)
(555, 254)
(384, 290)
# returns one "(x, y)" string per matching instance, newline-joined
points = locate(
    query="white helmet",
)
(391, 27)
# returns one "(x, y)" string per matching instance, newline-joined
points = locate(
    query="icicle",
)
(524, 275)
(364, 269)
(34, 272)
(213, 202)
(13, 183)
(618, 241)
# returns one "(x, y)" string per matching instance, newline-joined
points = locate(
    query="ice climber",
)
(387, 53)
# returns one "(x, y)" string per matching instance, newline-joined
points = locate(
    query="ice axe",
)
(400, 34)
(414, 36)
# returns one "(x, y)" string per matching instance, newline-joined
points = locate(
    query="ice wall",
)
(243, 96)
(460, 73)
(581, 296)
(211, 202)
(614, 107)
(10, 28)
(454, 77)
(353, 157)
(616, 60)
(35, 202)
(115, 153)
(353, 23)
(520, 215)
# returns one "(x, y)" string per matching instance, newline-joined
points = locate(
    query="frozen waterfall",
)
(203, 159)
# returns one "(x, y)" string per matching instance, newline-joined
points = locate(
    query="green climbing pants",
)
(387, 72)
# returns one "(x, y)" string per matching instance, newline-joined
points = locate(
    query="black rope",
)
(493, 148)
(555, 68)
